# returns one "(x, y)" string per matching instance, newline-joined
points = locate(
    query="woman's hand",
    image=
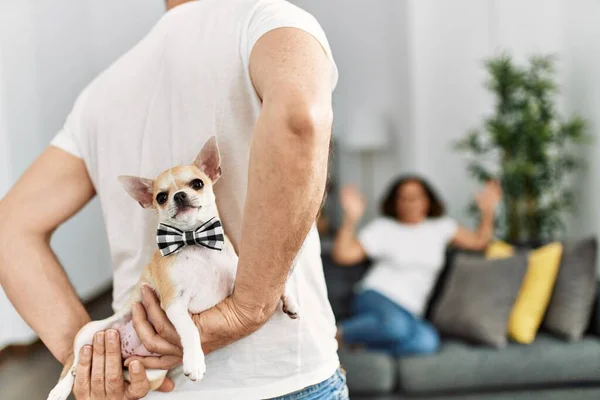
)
(99, 374)
(487, 200)
(353, 204)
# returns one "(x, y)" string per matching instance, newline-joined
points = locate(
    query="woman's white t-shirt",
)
(407, 258)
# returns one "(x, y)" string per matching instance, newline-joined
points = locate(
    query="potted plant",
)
(529, 147)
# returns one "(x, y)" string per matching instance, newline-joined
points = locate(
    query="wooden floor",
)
(30, 373)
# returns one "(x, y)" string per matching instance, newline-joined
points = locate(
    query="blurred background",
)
(412, 88)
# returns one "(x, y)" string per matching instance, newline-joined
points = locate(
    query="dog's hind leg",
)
(84, 337)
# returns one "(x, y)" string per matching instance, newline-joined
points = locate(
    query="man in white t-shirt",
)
(258, 74)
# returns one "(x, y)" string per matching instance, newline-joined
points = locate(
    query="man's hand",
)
(225, 323)
(156, 332)
(99, 374)
(218, 327)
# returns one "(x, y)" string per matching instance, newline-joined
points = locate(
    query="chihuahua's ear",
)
(138, 188)
(209, 160)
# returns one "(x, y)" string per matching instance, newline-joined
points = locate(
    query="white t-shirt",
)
(407, 258)
(153, 109)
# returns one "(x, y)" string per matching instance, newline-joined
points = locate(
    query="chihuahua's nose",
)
(180, 197)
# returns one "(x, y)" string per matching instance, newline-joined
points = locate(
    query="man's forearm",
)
(286, 182)
(287, 173)
(39, 289)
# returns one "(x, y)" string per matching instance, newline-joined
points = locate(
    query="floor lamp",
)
(367, 137)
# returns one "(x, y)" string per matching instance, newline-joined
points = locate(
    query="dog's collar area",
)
(188, 238)
(171, 240)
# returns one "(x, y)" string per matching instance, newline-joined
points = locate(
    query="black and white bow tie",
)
(170, 240)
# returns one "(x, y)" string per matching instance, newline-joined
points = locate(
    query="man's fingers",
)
(162, 362)
(138, 382)
(81, 389)
(114, 371)
(98, 366)
(148, 336)
(158, 318)
(167, 386)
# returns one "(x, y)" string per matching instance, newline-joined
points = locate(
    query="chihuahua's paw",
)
(194, 366)
(61, 391)
(290, 307)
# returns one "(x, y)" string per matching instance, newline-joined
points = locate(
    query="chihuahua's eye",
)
(162, 197)
(197, 184)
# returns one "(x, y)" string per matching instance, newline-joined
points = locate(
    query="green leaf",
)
(472, 143)
(574, 130)
(479, 172)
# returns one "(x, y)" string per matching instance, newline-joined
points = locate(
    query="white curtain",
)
(12, 328)
(49, 51)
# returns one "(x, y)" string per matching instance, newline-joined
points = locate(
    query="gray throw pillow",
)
(477, 299)
(572, 302)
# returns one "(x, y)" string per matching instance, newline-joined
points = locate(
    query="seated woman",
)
(408, 247)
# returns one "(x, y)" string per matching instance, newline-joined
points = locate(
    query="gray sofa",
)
(550, 368)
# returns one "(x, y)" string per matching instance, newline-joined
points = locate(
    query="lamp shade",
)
(368, 131)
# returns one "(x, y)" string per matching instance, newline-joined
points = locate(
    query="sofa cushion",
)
(341, 281)
(594, 327)
(459, 366)
(570, 309)
(477, 300)
(369, 372)
(536, 290)
(596, 318)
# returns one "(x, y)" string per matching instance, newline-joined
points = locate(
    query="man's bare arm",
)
(53, 189)
(288, 163)
(286, 181)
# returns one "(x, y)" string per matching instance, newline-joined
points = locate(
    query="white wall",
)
(5, 170)
(422, 61)
(449, 40)
(582, 92)
(49, 51)
(18, 329)
(369, 41)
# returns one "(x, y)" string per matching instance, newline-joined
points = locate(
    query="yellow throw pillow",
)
(536, 290)
(499, 249)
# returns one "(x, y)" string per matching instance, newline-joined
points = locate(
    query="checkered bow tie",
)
(170, 240)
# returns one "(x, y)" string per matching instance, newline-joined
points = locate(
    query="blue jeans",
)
(381, 324)
(333, 388)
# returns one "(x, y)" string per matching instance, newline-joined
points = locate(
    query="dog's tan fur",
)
(158, 270)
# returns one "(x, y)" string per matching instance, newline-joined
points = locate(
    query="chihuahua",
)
(192, 269)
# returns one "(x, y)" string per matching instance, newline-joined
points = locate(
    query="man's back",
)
(186, 81)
